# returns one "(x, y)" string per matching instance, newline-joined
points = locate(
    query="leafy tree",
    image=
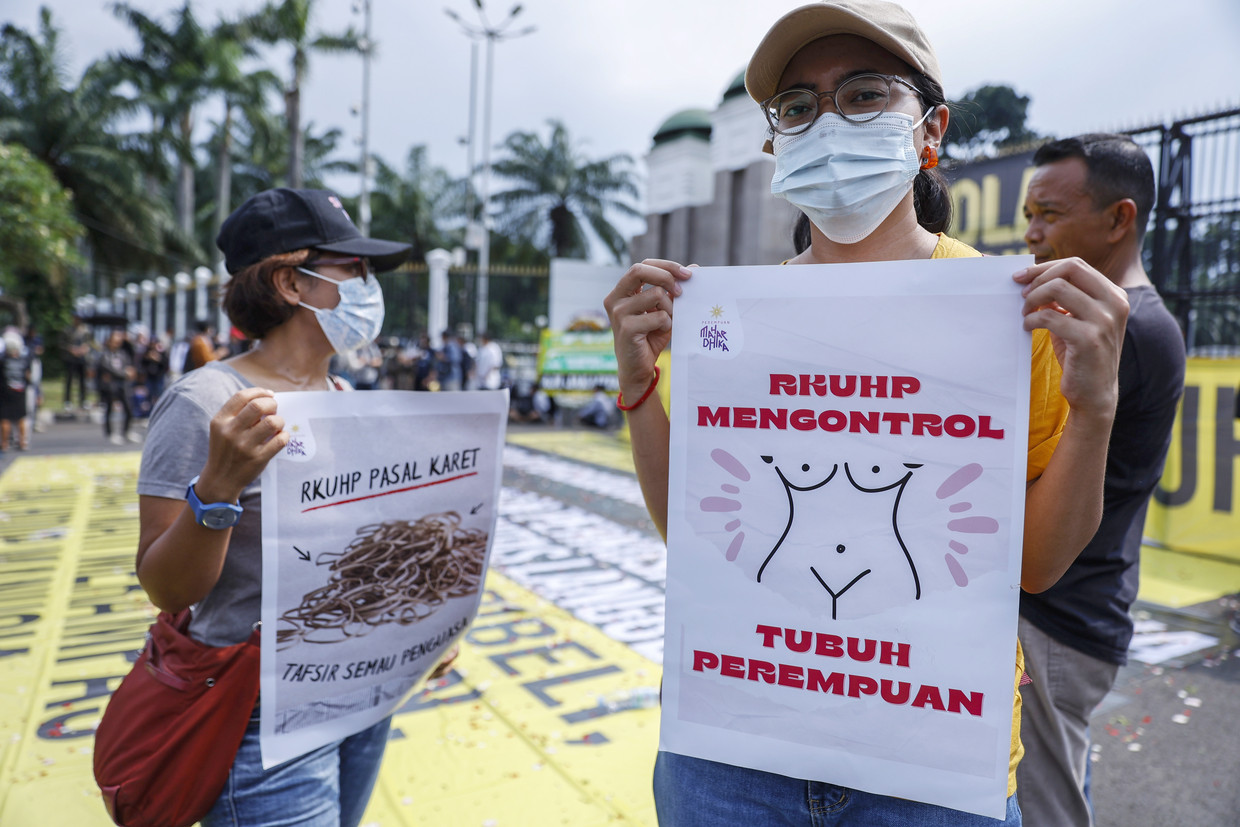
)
(245, 94)
(518, 251)
(412, 206)
(75, 130)
(260, 159)
(38, 235)
(172, 70)
(555, 188)
(288, 21)
(1214, 318)
(986, 120)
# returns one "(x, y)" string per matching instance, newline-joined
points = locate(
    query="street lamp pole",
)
(484, 250)
(363, 202)
(471, 139)
(491, 34)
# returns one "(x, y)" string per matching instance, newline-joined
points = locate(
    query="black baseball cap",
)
(282, 220)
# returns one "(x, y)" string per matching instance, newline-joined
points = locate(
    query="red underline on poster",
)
(393, 491)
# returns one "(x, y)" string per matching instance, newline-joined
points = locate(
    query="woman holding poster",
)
(853, 96)
(303, 287)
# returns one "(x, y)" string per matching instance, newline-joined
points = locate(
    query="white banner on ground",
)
(846, 505)
(378, 518)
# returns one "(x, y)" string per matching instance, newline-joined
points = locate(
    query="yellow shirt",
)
(1047, 412)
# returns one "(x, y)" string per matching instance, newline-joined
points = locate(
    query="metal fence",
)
(1192, 248)
(517, 296)
(1192, 244)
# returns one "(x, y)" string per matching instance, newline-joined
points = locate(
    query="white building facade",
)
(709, 196)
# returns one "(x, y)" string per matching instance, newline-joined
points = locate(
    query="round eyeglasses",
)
(859, 99)
(357, 267)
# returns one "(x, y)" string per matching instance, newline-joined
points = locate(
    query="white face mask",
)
(847, 177)
(356, 321)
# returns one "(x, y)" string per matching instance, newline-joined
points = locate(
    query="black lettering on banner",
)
(97, 687)
(130, 654)
(1189, 406)
(58, 727)
(454, 689)
(503, 660)
(500, 609)
(35, 587)
(493, 604)
(1226, 447)
(499, 634)
(11, 627)
(539, 688)
(436, 696)
(9, 622)
(600, 710)
(77, 638)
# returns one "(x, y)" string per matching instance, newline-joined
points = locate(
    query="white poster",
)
(846, 504)
(378, 519)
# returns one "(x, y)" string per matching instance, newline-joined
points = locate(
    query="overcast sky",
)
(614, 71)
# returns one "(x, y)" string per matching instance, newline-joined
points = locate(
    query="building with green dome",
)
(708, 198)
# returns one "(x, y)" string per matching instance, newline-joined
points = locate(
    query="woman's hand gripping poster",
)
(846, 504)
(378, 519)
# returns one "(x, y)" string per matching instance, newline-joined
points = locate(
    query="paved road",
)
(1167, 739)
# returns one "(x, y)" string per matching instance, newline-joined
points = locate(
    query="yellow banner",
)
(543, 720)
(1192, 551)
(1194, 506)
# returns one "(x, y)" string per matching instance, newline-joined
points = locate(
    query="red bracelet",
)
(653, 384)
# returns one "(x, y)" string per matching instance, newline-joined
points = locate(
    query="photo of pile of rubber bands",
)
(393, 572)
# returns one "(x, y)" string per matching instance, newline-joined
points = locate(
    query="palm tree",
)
(412, 207)
(75, 131)
(175, 69)
(260, 157)
(288, 21)
(555, 188)
(245, 94)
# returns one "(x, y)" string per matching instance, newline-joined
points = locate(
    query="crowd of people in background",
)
(117, 373)
(21, 395)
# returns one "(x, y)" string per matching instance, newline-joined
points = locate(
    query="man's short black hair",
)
(1117, 168)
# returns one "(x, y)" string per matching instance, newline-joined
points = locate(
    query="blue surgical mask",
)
(356, 321)
(847, 177)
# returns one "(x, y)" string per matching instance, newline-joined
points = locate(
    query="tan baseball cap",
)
(887, 24)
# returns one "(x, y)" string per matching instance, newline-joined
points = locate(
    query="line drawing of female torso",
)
(842, 540)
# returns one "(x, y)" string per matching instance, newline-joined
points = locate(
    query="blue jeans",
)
(691, 791)
(328, 787)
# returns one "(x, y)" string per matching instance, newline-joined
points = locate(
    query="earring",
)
(931, 158)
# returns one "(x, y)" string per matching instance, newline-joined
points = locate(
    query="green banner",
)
(575, 362)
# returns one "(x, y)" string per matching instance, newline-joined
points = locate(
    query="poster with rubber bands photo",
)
(378, 517)
(846, 505)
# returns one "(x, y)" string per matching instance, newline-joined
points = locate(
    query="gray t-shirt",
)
(175, 453)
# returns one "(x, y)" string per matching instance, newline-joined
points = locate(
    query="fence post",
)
(437, 261)
(146, 316)
(224, 324)
(133, 292)
(161, 306)
(182, 282)
(202, 277)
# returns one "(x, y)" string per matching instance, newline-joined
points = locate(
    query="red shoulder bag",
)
(171, 730)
